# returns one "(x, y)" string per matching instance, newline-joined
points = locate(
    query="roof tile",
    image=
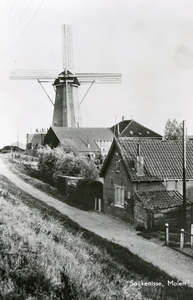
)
(83, 136)
(160, 199)
(162, 159)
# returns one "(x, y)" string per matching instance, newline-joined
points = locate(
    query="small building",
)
(33, 140)
(134, 166)
(89, 141)
(132, 129)
(156, 208)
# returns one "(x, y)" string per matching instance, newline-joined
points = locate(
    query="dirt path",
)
(175, 264)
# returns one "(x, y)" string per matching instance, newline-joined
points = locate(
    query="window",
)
(118, 166)
(119, 195)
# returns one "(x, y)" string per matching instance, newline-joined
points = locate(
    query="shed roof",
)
(160, 199)
(83, 136)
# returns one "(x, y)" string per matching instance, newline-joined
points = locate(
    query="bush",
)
(69, 146)
(46, 163)
(52, 162)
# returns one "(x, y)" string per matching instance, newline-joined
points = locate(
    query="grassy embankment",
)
(44, 255)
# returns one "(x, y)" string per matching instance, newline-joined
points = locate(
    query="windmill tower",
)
(67, 111)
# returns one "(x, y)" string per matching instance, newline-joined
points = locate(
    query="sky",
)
(149, 42)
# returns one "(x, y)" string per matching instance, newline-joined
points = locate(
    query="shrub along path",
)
(174, 263)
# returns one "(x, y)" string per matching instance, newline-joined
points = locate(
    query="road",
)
(174, 263)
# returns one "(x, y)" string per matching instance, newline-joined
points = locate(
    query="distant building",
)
(33, 140)
(132, 129)
(89, 141)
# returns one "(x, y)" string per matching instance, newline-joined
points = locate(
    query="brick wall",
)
(111, 179)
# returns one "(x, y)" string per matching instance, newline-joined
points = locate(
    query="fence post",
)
(99, 205)
(167, 234)
(95, 204)
(182, 239)
(191, 236)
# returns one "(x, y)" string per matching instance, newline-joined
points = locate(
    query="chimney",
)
(123, 118)
(139, 162)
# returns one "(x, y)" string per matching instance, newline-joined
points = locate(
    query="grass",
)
(32, 176)
(43, 258)
(44, 255)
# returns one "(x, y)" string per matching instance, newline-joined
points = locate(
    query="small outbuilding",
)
(155, 208)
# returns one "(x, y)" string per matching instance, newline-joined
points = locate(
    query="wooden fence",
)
(181, 233)
(97, 205)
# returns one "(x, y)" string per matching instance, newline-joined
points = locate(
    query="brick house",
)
(135, 166)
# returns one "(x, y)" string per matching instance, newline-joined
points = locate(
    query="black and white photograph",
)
(96, 150)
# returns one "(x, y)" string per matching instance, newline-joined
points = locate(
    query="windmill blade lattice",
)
(67, 45)
(99, 77)
(33, 74)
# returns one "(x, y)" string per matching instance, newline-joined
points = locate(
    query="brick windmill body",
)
(67, 112)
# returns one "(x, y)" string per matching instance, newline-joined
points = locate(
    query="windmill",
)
(67, 111)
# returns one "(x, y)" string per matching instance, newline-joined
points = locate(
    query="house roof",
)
(83, 136)
(162, 159)
(36, 138)
(160, 199)
(132, 129)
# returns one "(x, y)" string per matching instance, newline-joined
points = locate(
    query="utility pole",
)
(184, 176)
(17, 137)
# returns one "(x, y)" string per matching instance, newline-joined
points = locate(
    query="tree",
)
(69, 146)
(71, 165)
(173, 130)
(59, 160)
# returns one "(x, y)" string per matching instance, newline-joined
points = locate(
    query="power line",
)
(25, 28)
(4, 10)
(16, 25)
(8, 15)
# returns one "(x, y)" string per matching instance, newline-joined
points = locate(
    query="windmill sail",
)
(99, 77)
(33, 74)
(67, 107)
(67, 53)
